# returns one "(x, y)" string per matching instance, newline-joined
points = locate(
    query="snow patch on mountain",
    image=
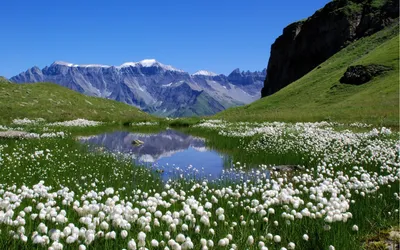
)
(167, 85)
(146, 63)
(81, 65)
(204, 73)
(63, 63)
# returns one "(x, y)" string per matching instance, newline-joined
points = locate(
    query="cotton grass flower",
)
(141, 239)
(250, 240)
(154, 243)
(132, 245)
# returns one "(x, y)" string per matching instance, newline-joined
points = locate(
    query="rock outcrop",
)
(307, 43)
(360, 74)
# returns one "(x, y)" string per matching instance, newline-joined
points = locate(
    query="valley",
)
(304, 154)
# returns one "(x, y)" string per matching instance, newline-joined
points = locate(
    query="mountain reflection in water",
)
(169, 151)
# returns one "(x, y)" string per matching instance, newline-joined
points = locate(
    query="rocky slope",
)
(154, 87)
(307, 43)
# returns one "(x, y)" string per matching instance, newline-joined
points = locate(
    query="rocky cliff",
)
(307, 43)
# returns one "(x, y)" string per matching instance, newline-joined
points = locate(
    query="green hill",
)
(320, 96)
(55, 103)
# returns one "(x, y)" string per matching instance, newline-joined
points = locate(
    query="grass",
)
(182, 122)
(66, 162)
(370, 217)
(203, 104)
(351, 8)
(55, 103)
(319, 96)
(233, 146)
(69, 164)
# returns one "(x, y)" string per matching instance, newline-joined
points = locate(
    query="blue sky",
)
(215, 35)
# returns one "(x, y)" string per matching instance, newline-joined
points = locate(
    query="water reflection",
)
(170, 152)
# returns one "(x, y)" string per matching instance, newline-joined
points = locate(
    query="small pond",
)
(170, 153)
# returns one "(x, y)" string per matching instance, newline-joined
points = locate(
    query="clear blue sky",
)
(215, 35)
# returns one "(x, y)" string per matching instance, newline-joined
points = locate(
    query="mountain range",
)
(154, 87)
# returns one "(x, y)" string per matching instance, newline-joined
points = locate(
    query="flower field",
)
(56, 194)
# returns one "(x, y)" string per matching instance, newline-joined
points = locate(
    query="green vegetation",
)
(351, 7)
(66, 163)
(182, 122)
(377, 4)
(203, 104)
(60, 162)
(63, 163)
(4, 80)
(383, 239)
(233, 146)
(320, 96)
(55, 103)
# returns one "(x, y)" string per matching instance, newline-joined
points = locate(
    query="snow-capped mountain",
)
(204, 73)
(154, 87)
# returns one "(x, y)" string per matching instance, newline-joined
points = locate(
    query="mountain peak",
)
(204, 73)
(62, 63)
(35, 69)
(144, 63)
(149, 63)
(236, 71)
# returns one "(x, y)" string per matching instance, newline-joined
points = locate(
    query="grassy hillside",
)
(203, 105)
(320, 96)
(55, 103)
